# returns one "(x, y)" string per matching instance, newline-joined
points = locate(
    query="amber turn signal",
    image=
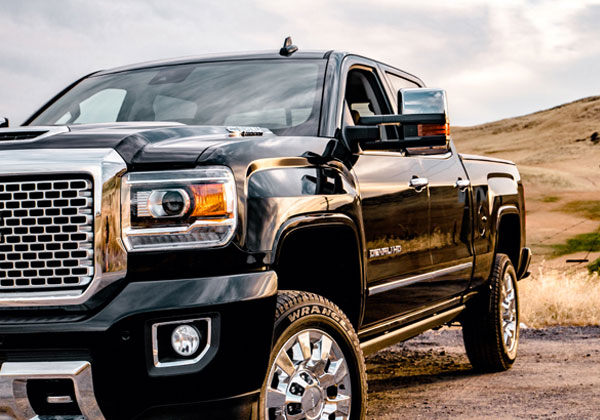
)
(433, 130)
(209, 200)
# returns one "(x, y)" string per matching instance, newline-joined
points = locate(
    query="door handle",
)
(418, 183)
(462, 184)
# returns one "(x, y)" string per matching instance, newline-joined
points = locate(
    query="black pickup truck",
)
(226, 236)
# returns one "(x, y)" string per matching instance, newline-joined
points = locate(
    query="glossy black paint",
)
(394, 215)
(141, 145)
(505, 189)
(115, 340)
(283, 184)
(450, 230)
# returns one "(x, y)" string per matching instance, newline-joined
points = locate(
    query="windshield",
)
(284, 96)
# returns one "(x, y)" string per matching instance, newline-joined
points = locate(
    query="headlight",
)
(178, 209)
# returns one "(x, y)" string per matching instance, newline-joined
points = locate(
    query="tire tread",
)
(482, 333)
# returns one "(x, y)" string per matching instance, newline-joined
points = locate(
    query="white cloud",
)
(496, 59)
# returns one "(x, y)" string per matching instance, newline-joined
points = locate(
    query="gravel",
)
(556, 376)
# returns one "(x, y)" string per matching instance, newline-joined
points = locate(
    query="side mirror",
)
(422, 101)
(3, 122)
(423, 122)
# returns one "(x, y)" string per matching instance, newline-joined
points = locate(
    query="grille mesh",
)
(47, 234)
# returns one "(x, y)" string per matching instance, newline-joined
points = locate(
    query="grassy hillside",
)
(558, 153)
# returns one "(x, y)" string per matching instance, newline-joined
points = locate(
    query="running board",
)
(404, 333)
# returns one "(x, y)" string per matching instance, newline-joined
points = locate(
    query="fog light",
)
(185, 340)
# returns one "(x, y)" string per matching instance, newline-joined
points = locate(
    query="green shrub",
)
(594, 266)
(586, 242)
(589, 209)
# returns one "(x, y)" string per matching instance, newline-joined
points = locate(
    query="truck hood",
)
(139, 144)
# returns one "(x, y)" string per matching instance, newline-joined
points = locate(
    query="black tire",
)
(483, 324)
(303, 318)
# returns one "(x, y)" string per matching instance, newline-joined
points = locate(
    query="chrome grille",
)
(46, 228)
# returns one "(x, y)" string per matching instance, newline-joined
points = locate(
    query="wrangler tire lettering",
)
(294, 315)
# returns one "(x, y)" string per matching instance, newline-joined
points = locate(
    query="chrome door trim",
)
(394, 284)
(348, 62)
(106, 167)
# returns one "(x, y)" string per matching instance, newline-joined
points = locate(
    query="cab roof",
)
(251, 55)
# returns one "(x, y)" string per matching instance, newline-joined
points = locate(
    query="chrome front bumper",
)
(14, 400)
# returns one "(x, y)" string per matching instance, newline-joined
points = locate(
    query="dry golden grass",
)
(553, 297)
(558, 154)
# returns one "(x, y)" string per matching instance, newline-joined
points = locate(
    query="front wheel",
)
(491, 322)
(316, 370)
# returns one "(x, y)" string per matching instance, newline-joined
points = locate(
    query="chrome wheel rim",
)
(309, 379)
(509, 313)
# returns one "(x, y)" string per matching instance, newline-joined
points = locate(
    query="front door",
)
(396, 222)
(395, 211)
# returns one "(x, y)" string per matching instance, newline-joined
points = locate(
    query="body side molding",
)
(418, 278)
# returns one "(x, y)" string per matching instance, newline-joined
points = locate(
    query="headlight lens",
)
(178, 209)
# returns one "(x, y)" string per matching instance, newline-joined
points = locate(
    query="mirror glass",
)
(422, 101)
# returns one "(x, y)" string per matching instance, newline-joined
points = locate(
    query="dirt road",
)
(556, 376)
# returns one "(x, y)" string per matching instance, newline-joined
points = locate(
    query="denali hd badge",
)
(384, 252)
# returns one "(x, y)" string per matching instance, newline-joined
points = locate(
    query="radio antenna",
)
(288, 48)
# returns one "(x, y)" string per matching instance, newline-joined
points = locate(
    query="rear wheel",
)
(316, 369)
(491, 322)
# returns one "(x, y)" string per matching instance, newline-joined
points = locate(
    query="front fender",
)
(280, 198)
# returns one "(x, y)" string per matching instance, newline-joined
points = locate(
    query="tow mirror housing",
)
(423, 122)
(3, 122)
(422, 101)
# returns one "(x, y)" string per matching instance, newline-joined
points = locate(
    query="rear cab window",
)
(397, 82)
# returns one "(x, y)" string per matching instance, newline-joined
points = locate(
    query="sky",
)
(496, 59)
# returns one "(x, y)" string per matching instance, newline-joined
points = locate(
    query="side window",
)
(364, 96)
(398, 83)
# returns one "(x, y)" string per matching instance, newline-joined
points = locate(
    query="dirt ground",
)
(556, 376)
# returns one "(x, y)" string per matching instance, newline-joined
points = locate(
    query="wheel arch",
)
(508, 234)
(323, 254)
